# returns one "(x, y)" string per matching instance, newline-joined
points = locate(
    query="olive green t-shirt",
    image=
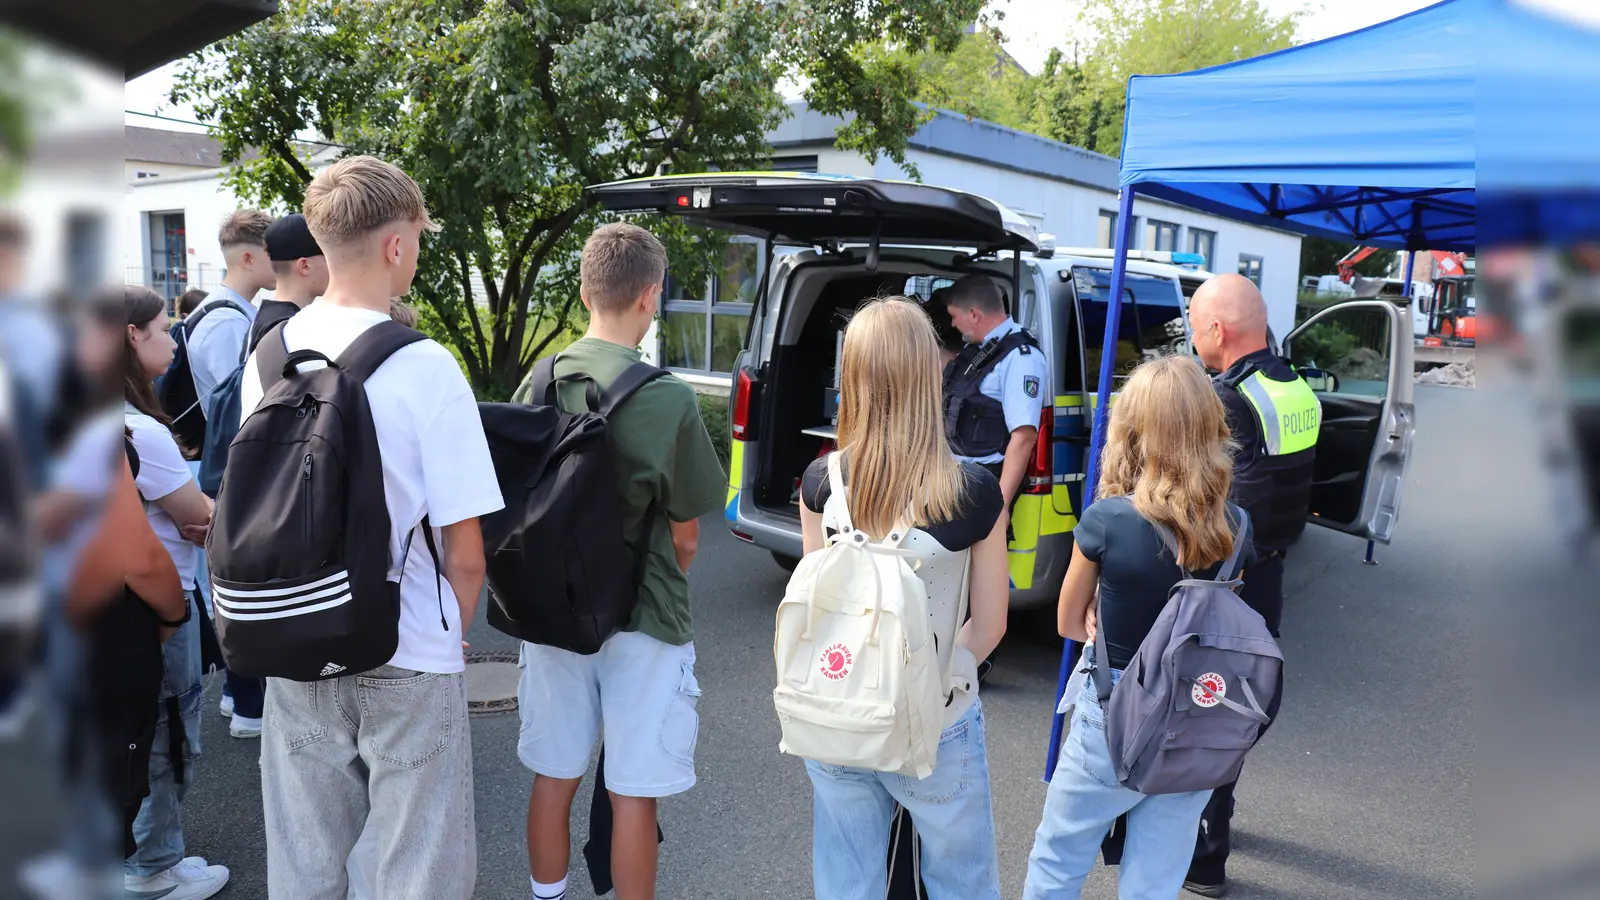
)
(664, 457)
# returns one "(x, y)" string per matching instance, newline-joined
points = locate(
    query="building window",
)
(1250, 267)
(705, 335)
(1160, 235)
(1108, 229)
(1204, 243)
(169, 257)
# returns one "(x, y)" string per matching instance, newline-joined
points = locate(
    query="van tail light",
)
(741, 405)
(1041, 469)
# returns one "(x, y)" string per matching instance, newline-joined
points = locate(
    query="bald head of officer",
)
(1228, 318)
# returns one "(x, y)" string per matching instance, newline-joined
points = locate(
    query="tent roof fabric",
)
(1366, 137)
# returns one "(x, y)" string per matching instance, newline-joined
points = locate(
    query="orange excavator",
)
(1451, 311)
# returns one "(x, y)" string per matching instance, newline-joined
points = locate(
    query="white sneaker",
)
(226, 707)
(191, 879)
(241, 727)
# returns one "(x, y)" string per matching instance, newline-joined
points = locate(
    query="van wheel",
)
(787, 562)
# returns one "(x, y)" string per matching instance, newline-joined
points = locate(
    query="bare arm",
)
(1077, 591)
(187, 506)
(1019, 453)
(685, 542)
(990, 594)
(464, 565)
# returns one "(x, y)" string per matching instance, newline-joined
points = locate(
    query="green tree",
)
(979, 80)
(504, 109)
(1083, 103)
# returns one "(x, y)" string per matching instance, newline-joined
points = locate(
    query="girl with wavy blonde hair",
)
(897, 469)
(1167, 463)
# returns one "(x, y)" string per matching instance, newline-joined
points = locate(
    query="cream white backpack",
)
(859, 680)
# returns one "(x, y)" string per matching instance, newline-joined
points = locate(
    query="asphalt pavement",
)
(1362, 790)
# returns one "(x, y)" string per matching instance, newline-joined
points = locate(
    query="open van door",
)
(825, 210)
(1356, 356)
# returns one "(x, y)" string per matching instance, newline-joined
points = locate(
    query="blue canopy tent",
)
(1368, 137)
(1538, 142)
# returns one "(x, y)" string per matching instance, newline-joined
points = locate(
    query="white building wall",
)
(159, 170)
(204, 201)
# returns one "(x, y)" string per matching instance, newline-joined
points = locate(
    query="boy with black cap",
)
(300, 268)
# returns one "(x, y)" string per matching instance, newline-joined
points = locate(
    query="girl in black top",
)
(894, 457)
(1167, 459)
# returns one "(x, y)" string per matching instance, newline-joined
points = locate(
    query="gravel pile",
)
(1457, 374)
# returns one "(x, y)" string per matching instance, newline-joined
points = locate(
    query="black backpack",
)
(561, 572)
(222, 407)
(175, 389)
(299, 543)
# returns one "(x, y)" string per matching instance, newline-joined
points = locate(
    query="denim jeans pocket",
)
(409, 719)
(1086, 748)
(294, 715)
(952, 771)
(680, 727)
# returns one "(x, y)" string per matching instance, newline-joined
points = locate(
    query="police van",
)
(832, 242)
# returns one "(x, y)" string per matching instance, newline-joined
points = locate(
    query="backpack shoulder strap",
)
(1241, 536)
(272, 354)
(1230, 567)
(1170, 541)
(837, 487)
(267, 319)
(193, 322)
(631, 380)
(541, 380)
(367, 352)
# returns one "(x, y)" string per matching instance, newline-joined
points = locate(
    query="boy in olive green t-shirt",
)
(639, 690)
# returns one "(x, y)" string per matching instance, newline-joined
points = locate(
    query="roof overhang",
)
(139, 35)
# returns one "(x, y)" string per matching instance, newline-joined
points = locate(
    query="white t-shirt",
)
(435, 462)
(162, 470)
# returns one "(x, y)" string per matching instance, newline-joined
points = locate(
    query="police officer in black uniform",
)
(994, 389)
(1274, 417)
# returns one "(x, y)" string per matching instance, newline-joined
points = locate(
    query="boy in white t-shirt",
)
(391, 745)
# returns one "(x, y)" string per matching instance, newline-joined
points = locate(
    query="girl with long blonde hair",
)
(1167, 462)
(898, 468)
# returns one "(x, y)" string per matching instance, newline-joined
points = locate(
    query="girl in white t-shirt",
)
(179, 514)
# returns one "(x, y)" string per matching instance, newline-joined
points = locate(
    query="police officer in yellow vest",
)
(1274, 416)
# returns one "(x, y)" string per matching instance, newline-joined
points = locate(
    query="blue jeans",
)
(1085, 799)
(158, 830)
(853, 808)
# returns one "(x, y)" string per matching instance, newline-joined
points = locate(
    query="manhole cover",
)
(492, 677)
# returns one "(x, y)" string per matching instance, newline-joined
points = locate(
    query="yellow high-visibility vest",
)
(1289, 411)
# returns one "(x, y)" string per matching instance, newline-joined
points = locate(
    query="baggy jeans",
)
(1083, 801)
(392, 744)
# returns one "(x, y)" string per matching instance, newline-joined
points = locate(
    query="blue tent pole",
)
(1097, 437)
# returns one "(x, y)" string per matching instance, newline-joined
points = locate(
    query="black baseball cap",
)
(289, 239)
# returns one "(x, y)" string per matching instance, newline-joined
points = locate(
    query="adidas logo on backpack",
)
(859, 681)
(299, 543)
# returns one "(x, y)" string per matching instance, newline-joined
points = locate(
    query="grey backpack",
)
(1199, 692)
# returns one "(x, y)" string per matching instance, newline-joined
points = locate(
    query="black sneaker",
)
(1220, 889)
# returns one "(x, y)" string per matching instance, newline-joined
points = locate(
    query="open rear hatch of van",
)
(780, 415)
(825, 210)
